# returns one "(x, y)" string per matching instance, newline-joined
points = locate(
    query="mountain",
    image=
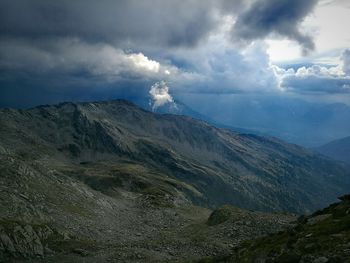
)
(217, 166)
(338, 149)
(109, 181)
(323, 236)
(307, 123)
(179, 108)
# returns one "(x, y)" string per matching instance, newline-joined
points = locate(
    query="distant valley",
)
(305, 123)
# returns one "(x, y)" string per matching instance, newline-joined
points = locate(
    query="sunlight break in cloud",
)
(143, 62)
(160, 94)
(317, 78)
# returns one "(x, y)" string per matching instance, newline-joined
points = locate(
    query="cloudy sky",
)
(63, 50)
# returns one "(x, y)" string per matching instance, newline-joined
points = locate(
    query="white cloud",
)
(160, 95)
(316, 78)
(143, 62)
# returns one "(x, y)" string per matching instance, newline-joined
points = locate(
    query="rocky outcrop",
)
(319, 238)
(24, 240)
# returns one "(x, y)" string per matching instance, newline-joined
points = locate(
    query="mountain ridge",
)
(337, 149)
(111, 182)
(209, 159)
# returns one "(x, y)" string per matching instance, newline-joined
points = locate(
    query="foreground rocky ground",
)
(319, 238)
(49, 216)
(110, 182)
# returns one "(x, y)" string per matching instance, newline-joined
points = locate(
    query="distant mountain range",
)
(179, 108)
(338, 149)
(306, 123)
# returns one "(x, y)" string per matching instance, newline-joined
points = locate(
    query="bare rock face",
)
(318, 238)
(23, 241)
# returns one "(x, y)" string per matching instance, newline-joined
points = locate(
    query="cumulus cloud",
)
(316, 78)
(160, 95)
(282, 17)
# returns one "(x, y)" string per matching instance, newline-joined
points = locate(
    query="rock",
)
(310, 246)
(339, 235)
(7, 243)
(66, 236)
(48, 251)
(34, 240)
(344, 198)
(24, 197)
(321, 260)
(81, 252)
(24, 241)
(2, 150)
(316, 219)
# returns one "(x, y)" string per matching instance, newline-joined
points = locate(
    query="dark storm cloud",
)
(281, 17)
(317, 84)
(156, 22)
(71, 49)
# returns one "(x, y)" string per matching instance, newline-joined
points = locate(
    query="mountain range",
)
(306, 123)
(218, 166)
(111, 180)
(337, 149)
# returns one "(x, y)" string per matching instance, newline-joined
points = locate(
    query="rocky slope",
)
(109, 182)
(321, 237)
(211, 166)
(50, 215)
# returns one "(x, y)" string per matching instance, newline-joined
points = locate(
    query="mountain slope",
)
(338, 149)
(322, 237)
(185, 157)
(109, 212)
(178, 108)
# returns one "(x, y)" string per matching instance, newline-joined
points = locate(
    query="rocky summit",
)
(110, 182)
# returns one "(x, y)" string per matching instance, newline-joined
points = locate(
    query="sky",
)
(53, 51)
